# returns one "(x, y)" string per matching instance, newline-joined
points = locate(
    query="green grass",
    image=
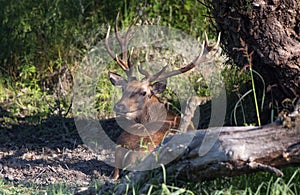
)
(56, 189)
(30, 102)
(251, 184)
(256, 184)
(65, 41)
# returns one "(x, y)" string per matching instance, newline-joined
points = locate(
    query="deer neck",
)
(152, 109)
(156, 110)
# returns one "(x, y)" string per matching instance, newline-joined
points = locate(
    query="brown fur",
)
(132, 147)
(139, 103)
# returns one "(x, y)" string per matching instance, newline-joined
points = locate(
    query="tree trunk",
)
(272, 30)
(236, 151)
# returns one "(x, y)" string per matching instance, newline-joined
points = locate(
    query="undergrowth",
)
(43, 46)
(251, 184)
(258, 183)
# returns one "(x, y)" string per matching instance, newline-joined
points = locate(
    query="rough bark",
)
(232, 151)
(272, 30)
(239, 150)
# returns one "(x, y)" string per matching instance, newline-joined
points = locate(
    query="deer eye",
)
(143, 93)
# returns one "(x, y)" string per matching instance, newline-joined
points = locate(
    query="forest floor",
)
(46, 154)
(40, 157)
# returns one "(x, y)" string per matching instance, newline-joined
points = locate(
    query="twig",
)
(268, 168)
(69, 108)
(40, 173)
(52, 169)
(296, 111)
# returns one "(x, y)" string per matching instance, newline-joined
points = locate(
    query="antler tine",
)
(143, 71)
(205, 49)
(110, 52)
(125, 61)
(213, 47)
(125, 41)
(128, 38)
(157, 75)
(148, 76)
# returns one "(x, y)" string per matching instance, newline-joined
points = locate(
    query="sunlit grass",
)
(31, 188)
(252, 184)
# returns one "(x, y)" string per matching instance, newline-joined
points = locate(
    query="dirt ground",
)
(48, 153)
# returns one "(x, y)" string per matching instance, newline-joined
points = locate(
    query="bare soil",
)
(49, 152)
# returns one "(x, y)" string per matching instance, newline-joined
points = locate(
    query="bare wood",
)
(192, 104)
(237, 150)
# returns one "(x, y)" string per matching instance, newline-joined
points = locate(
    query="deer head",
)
(139, 95)
(136, 96)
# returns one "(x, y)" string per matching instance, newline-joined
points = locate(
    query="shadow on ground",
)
(50, 151)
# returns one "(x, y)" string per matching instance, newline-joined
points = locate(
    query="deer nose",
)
(119, 108)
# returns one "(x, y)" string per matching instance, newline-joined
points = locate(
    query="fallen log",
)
(236, 151)
(220, 151)
(232, 151)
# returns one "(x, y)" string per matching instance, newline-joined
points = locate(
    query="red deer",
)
(139, 103)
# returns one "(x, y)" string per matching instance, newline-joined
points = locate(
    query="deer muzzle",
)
(120, 108)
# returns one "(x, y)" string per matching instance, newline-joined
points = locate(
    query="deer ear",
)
(159, 87)
(117, 80)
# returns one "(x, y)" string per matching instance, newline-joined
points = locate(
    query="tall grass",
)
(43, 39)
(252, 184)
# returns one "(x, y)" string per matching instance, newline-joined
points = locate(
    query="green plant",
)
(248, 57)
(43, 38)
(252, 184)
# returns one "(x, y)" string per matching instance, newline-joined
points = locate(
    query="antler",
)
(148, 76)
(202, 57)
(125, 61)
